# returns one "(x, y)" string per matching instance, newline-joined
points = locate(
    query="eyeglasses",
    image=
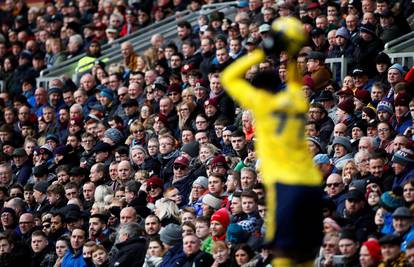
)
(333, 184)
(46, 226)
(179, 167)
(122, 95)
(25, 222)
(383, 130)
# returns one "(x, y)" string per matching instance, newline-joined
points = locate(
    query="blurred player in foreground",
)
(293, 184)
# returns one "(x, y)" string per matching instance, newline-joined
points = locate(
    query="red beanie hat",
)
(347, 105)
(374, 249)
(222, 216)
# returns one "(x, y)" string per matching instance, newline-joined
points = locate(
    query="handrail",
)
(141, 40)
(116, 43)
(399, 40)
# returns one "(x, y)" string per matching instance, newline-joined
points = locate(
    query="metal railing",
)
(110, 46)
(338, 66)
(405, 58)
(402, 42)
(141, 39)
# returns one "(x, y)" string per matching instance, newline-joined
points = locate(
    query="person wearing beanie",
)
(155, 187)
(219, 223)
(362, 99)
(344, 46)
(191, 149)
(402, 119)
(403, 166)
(171, 237)
(113, 136)
(315, 146)
(382, 63)
(342, 151)
(385, 110)
(359, 129)
(394, 76)
(235, 234)
(40, 196)
(345, 112)
(211, 204)
(199, 188)
(368, 45)
(370, 253)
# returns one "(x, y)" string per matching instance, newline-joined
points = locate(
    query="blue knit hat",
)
(235, 234)
(321, 159)
(403, 156)
(391, 201)
(114, 134)
(343, 32)
(106, 92)
(385, 105)
(398, 67)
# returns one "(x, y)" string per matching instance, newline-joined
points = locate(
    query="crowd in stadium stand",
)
(148, 162)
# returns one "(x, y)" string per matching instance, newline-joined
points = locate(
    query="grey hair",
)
(132, 230)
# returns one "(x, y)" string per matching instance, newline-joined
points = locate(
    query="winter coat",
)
(130, 253)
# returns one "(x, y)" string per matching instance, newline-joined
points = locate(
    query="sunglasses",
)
(180, 167)
(138, 131)
(333, 185)
(153, 187)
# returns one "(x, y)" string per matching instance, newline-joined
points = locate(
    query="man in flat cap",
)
(391, 252)
(319, 72)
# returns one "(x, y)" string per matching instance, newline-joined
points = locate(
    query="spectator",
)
(130, 246)
(74, 255)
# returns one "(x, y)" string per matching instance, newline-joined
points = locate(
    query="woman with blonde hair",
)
(349, 172)
(207, 151)
(142, 64)
(185, 112)
(188, 95)
(101, 191)
(137, 135)
(167, 211)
